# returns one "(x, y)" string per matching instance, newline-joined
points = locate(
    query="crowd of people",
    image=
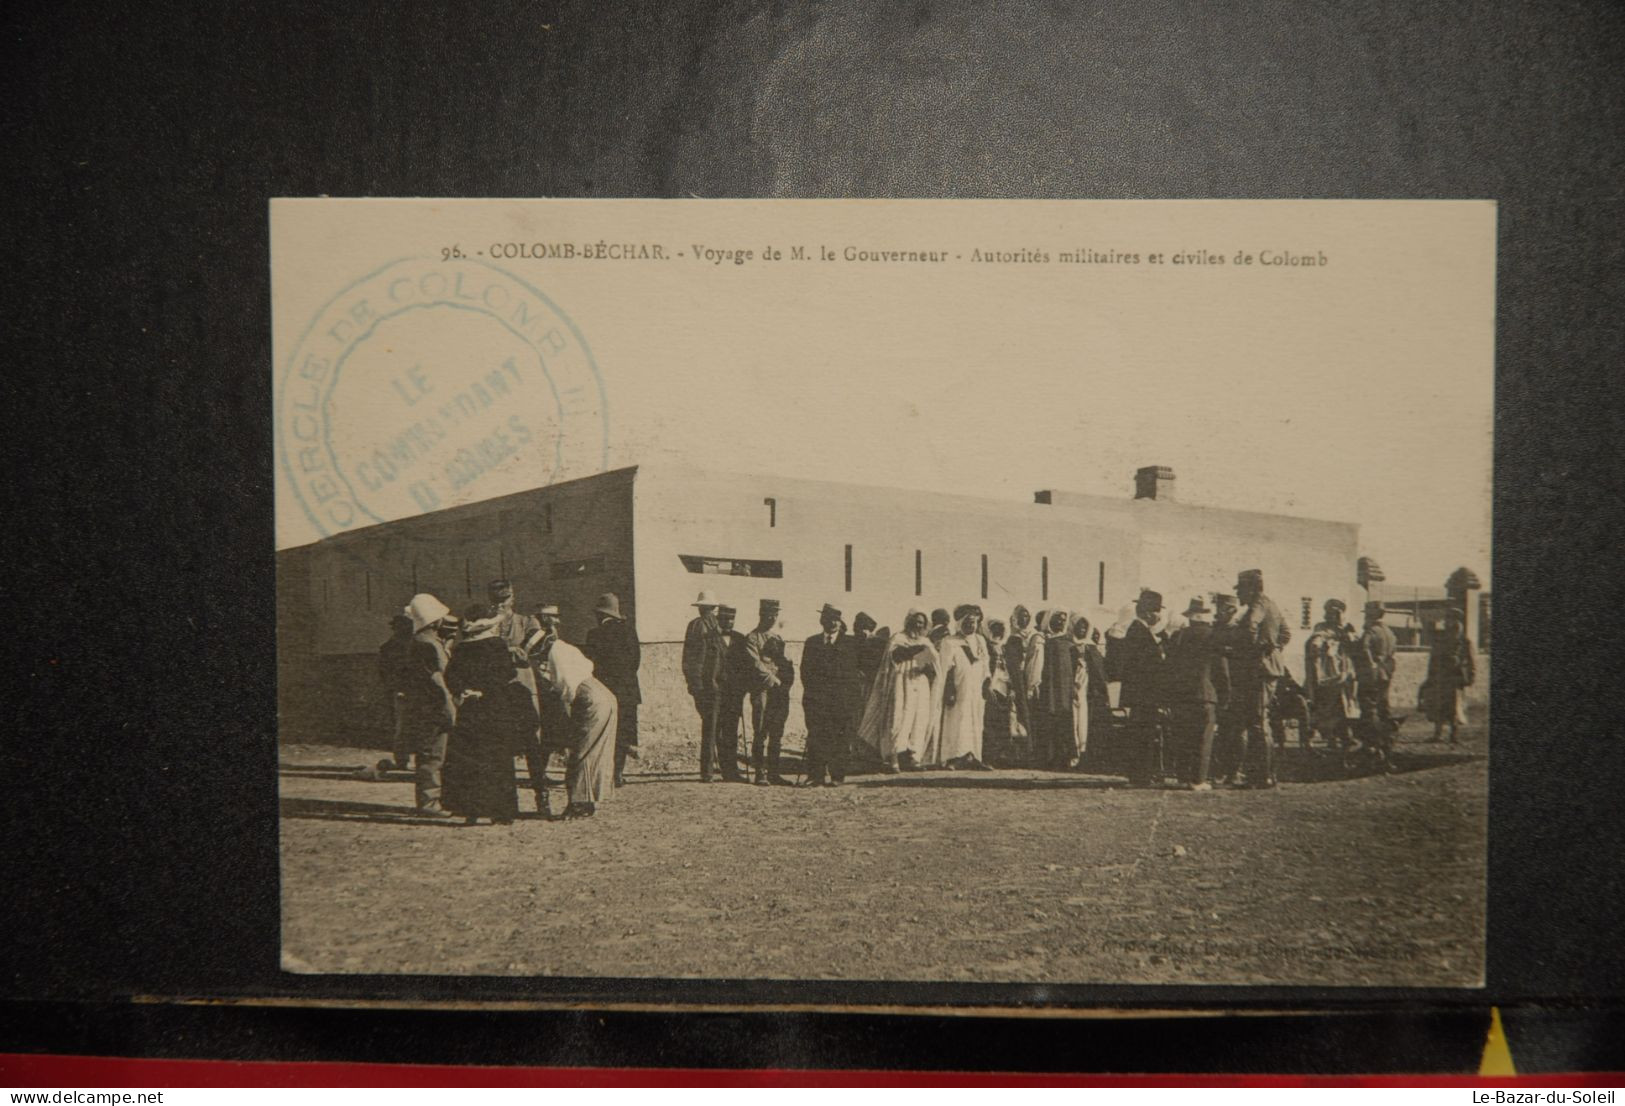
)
(472, 693)
(1203, 699)
(1204, 695)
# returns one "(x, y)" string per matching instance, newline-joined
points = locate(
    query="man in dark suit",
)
(1141, 669)
(1255, 667)
(831, 696)
(613, 648)
(702, 671)
(1198, 679)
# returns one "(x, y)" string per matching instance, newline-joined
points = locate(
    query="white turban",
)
(424, 610)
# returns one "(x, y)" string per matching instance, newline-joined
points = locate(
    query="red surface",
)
(71, 1072)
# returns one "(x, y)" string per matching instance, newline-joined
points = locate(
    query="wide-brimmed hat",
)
(1225, 599)
(708, 598)
(548, 610)
(1374, 606)
(864, 622)
(1154, 598)
(725, 609)
(424, 610)
(829, 610)
(1250, 576)
(609, 603)
(1198, 606)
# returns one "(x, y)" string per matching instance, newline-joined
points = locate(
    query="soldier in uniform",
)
(737, 680)
(763, 678)
(516, 630)
(1374, 674)
(1140, 666)
(769, 740)
(613, 648)
(702, 671)
(1255, 667)
(430, 712)
(1228, 742)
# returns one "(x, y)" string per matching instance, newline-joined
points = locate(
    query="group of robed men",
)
(470, 694)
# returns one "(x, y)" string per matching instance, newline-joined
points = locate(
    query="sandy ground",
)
(1004, 876)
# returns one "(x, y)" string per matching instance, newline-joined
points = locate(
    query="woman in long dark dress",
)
(495, 713)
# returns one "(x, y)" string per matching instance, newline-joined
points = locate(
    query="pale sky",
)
(1359, 391)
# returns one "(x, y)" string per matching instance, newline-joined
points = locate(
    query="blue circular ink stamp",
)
(428, 384)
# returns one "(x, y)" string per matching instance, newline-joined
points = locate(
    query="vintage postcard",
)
(1058, 592)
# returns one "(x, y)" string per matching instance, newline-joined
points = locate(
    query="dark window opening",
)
(772, 510)
(1043, 578)
(1308, 611)
(849, 568)
(1101, 594)
(919, 573)
(984, 575)
(581, 566)
(731, 566)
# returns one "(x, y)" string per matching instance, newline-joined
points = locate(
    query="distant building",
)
(657, 535)
(1416, 614)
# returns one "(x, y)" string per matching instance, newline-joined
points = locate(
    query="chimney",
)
(1154, 482)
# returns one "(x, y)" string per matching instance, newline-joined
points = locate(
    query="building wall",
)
(1187, 551)
(724, 516)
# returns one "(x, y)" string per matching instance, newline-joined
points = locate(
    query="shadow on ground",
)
(340, 810)
(992, 781)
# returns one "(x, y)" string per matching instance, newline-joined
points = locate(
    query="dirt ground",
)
(1004, 876)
